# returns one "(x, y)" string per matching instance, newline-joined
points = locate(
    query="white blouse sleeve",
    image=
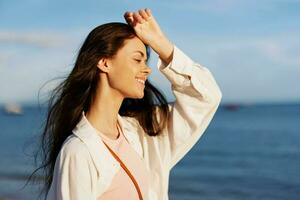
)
(72, 178)
(197, 99)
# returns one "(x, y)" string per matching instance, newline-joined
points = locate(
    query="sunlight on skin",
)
(148, 30)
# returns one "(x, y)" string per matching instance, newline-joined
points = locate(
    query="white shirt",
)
(84, 167)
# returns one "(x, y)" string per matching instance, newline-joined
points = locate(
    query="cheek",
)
(122, 78)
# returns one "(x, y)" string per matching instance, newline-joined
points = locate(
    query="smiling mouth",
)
(140, 81)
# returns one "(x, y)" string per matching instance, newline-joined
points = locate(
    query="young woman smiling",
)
(110, 134)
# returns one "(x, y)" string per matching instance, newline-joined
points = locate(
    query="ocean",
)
(252, 152)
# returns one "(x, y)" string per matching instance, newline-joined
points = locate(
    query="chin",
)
(139, 96)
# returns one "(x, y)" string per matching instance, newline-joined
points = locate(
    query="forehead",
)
(133, 46)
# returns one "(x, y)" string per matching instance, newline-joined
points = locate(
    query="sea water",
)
(252, 152)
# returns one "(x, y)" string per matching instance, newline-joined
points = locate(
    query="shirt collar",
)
(101, 156)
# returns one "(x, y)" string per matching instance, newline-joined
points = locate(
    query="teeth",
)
(141, 81)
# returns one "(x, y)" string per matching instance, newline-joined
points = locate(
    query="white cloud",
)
(281, 52)
(24, 69)
(44, 39)
(246, 67)
(4, 57)
(277, 48)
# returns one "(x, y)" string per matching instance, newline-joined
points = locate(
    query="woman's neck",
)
(103, 113)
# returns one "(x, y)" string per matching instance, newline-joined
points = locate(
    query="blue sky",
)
(251, 47)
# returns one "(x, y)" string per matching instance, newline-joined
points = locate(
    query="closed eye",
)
(137, 60)
(140, 61)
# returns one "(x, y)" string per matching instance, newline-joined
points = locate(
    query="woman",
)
(110, 134)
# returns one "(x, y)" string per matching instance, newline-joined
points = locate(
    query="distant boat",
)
(13, 109)
(232, 107)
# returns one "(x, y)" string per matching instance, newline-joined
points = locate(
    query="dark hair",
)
(76, 93)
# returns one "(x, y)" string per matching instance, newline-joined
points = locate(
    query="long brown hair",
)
(76, 92)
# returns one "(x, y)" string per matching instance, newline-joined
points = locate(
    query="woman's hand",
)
(148, 30)
(145, 25)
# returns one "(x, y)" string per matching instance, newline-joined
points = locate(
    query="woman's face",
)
(129, 70)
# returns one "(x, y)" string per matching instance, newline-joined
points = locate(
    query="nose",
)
(147, 70)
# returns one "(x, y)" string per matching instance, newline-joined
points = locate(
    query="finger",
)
(148, 11)
(129, 20)
(138, 18)
(143, 14)
(128, 14)
(129, 17)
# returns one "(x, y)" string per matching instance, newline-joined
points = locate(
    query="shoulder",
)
(73, 147)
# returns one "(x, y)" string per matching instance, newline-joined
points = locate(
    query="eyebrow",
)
(140, 53)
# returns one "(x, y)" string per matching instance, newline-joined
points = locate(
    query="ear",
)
(103, 65)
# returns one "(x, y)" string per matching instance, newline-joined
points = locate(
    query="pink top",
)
(122, 186)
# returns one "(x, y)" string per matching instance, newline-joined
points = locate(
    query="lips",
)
(141, 80)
